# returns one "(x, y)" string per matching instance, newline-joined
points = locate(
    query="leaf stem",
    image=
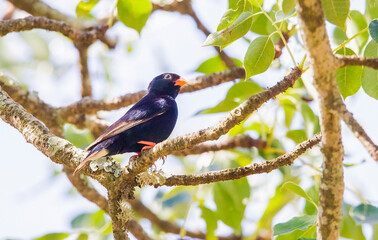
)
(279, 32)
(350, 39)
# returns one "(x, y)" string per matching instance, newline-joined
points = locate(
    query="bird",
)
(150, 121)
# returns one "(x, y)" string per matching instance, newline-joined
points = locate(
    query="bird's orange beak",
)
(180, 82)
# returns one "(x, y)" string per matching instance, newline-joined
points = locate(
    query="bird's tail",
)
(93, 155)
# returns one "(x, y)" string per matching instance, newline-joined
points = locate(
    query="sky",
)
(33, 202)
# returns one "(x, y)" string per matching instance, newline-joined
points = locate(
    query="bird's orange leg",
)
(150, 145)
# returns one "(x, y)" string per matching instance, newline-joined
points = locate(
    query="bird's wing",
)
(120, 126)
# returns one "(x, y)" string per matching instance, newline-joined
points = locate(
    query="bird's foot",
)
(163, 158)
(135, 156)
(148, 144)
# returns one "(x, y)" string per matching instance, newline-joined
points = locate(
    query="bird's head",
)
(166, 84)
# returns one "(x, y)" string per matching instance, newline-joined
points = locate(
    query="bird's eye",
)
(168, 76)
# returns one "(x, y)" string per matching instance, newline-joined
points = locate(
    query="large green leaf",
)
(215, 64)
(369, 78)
(336, 11)
(311, 121)
(371, 9)
(339, 36)
(299, 234)
(238, 93)
(365, 213)
(355, 24)
(134, 13)
(349, 77)
(287, 6)
(235, 31)
(295, 223)
(297, 135)
(53, 236)
(295, 188)
(373, 29)
(233, 13)
(259, 56)
(348, 227)
(231, 194)
(211, 220)
(275, 204)
(89, 220)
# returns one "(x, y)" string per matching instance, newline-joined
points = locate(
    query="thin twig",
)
(353, 60)
(86, 88)
(236, 173)
(243, 141)
(357, 130)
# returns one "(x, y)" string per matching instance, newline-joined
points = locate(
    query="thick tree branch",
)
(357, 130)
(323, 63)
(237, 115)
(32, 103)
(119, 220)
(90, 106)
(243, 141)
(85, 36)
(236, 173)
(39, 8)
(343, 61)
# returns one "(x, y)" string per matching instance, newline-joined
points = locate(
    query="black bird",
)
(149, 121)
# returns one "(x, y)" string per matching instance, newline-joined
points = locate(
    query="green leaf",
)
(275, 204)
(373, 29)
(134, 13)
(371, 9)
(259, 56)
(369, 78)
(299, 234)
(365, 213)
(78, 137)
(349, 77)
(301, 223)
(287, 6)
(348, 227)
(375, 232)
(313, 193)
(295, 188)
(228, 35)
(355, 24)
(311, 121)
(89, 220)
(53, 236)
(256, 3)
(211, 220)
(231, 194)
(336, 11)
(298, 135)
(233, 13)
(238, 93)
(84, 7)
(215, 64)
(339, 36)
(82, 236)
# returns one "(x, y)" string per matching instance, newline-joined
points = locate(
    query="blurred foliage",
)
(290, 119)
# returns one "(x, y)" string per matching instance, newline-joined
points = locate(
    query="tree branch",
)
(323, 63)
(237, 173)
(86, 88)
(87, 36)
(32, 103)
(90, 106)
(39, 8)
(357, 130)
(352, 60)
(243, 141)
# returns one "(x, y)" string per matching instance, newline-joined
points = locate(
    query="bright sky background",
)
(33, 202)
